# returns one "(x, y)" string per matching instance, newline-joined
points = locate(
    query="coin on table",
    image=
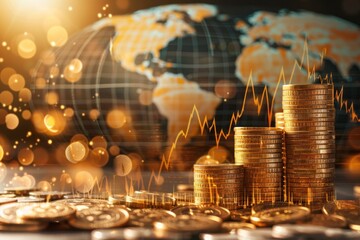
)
(20, 191)
(30, 199)
(146, 216)
(83, 203)
(189, 223)
(10, 221)
(242, 214)
(268, 205)
(49, 195)
(280, 215)
(211, 210)
(100, 217)
(329, 221)
(46, 212)
(7, 200)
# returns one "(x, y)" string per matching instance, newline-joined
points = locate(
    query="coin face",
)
(10, 221)
(242, 214)
(49, 195)
(83, 203)
(51, 212)
(190, 223)
(202, 210)
(280, 215)
(145, 217)
(99, 217)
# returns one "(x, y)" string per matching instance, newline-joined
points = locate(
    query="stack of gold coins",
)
(309, 116)
(280, 123)
(219, 184)
(259, 149)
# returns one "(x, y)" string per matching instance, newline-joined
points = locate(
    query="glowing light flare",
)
(57, 36)
(123, 165)
(225, 89)
(25, 156)
(70, 75)
(52, 98)
(40, 83)
(76, 152)
(54, 122)
(116, 119)
(220, 153)
(76, 65)
(26, 114)
(25, 95)
(354, 138)
(354, 164)
(99, 141)
(94, 114)
(3, 171)
(48, 57)
(26, 48)
(11, 121)
(83, 181)
(69, 112)
(1, 152)
(6, 73)
(44, 186)
(16, 82)
(114, 150)
(25, 181)
(6, 98)
(99, 157)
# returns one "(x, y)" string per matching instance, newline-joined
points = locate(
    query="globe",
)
(169, 83)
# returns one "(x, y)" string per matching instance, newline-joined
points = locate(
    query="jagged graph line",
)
(259, 101)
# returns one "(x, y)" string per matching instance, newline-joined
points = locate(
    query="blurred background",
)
(120, 95)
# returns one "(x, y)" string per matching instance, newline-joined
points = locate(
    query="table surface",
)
(344, 184)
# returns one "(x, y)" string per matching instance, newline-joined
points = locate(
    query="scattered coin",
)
(49, 195)
(280, 215)
(50, 212)
(147, 216)
(99, 217)
(202, 210)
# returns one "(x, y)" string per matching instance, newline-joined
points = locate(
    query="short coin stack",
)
(219, 184)
(309, 116)
(259, 149)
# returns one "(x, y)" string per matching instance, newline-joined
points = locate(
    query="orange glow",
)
(76, 152)
(57, 36)
(25, 95)
(1, 152)
(116, 119)
(11, 121)
(44, 186)
(3, 171)
(354, 164)
(25, 156)
(123, 165)
(6, 73)
(83, 182)
(16, 82)
(6, 98)
(26, 48)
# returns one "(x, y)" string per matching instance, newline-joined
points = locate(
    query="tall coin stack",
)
(259, 149)
(219, 184)
(309, 116)
(280, 123)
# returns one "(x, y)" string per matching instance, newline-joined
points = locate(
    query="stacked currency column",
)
(309, 116)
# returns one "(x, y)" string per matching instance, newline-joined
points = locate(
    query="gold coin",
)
(257, 160)
(202, 210)
(100, 217)
(117, 199)
(259, 146)
(256, 155)
(241, 214)
(257, 141)
(308, 97)
(268, 205)
(232, 227)
(258, 150)
(20, 191)
(10, 221)
(255, 130)
(84, 203)
(7, 200)
(309, 110)
(145, 217)
(299, 87)
(46, 212)
(49, 195)
(289, 214)
(30, 199)
(189, 224)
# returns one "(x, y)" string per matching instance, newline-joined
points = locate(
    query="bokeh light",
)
(83, 182)
(99, 141)
(123, 165)
(16, 82)
(76, 152)
(354, 138)
(6, 98)
(6, 73)
(1, 152)
(354, 164)
(26, 114)
(52, 98)
(26, 48)
(206, 159)
(99, 157)
(57, 36)
(25, 156)
(44, 186)
(25, 95)
(116, 119)
(145, 97)
(219, 153)
(11, 121)
(114, 150)
(225, 89)
(3, 171)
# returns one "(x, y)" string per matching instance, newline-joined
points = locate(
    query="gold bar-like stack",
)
(259, 149)
(280, 123)
(309, 116)
(219, 184)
